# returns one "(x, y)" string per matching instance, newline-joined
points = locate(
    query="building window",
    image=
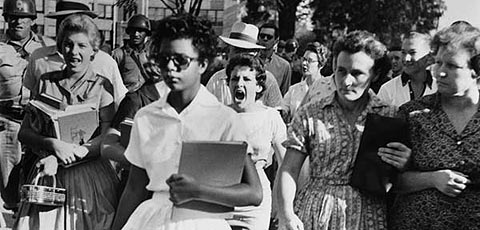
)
(51, 30)
(107, 35)
(40, 4)
(109, 12)
(105, 11)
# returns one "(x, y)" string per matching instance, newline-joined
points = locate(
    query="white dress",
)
(263, 128)
(155, 145)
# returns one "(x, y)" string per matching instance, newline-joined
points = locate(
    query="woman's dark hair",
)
(252, 62)
(185, 26)
(361, 40)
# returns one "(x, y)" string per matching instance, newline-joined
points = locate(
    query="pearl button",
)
(459, 142)
(462, 162)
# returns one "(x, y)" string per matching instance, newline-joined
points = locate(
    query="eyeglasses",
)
(180, 61)
(265, 36)
(308, 60)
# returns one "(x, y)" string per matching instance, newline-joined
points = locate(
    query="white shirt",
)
(397, 91)
(294, 96)
(158, 131)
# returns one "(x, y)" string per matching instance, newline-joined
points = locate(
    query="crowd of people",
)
(303, 129)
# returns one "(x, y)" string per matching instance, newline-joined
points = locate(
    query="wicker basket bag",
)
(43, 195)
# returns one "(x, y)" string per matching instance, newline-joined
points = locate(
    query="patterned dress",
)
(327, 201)
(437, 145)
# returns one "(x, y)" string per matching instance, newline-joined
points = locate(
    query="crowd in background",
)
(302, 113)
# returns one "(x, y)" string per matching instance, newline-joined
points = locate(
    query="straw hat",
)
(65, 8)
(243, 35)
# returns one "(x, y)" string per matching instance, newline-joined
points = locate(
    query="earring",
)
(442, 74)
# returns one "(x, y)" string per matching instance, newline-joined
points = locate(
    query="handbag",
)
(43, 194)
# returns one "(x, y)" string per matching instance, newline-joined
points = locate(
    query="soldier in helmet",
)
(15, 50)
(132, 56)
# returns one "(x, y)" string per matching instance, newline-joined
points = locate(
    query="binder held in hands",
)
(213, 163)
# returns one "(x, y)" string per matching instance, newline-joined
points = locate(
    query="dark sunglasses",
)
(265, 36)
(180, 61)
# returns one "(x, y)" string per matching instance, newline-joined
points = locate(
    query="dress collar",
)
(373, 102)
(203, 98)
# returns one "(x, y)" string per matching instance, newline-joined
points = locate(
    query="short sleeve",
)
(106, 95)
(127, 108)
(287, 101)
(296, 134)
(133, 153)
(279, 128)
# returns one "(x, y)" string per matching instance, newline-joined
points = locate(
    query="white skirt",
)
(155, 213)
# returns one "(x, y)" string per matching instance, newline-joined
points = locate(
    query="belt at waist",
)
(328, 181)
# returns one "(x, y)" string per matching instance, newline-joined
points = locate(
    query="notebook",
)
(212, 163)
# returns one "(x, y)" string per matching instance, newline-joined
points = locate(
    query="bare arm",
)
(450, 183)
(249, 192)
(111, 147)
(279, 152)
(134, 194)
(285, 188)
(29, 137)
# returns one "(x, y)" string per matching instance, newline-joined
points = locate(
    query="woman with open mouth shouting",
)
(265, 128)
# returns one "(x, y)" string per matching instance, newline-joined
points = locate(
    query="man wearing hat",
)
(132, 56)
(15, 50)
(49, 59)
(243, 39)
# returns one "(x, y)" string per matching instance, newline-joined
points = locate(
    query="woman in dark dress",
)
(441, 191)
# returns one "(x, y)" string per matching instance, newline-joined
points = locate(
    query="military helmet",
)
(139, 21)
(20, 8)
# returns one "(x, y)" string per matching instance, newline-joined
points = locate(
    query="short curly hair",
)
(322, 52)
(361, 40)
(185, 26)
(252, 62)
(460, 36)
(79, 23)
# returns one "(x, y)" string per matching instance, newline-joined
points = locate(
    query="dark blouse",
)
(134, 101)
(436, 145)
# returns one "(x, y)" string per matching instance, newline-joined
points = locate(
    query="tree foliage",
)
(388, 19)
(176, 6)
(258, 13)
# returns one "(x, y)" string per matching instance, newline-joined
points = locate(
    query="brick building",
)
(112, 20)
